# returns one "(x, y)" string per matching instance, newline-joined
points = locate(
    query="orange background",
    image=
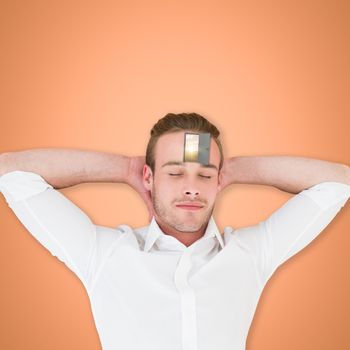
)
(96, 75)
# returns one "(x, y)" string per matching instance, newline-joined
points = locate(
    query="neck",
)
(186, 238)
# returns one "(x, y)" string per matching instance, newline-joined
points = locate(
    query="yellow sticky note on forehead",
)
(197, 147)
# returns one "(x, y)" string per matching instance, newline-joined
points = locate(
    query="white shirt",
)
(148, 290)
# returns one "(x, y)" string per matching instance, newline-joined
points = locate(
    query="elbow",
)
(4, 160)
(346, 174)
(8, 162)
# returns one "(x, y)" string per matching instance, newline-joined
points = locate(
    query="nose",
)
(191, 194)
(191, 191)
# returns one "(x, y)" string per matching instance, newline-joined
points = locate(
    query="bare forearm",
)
(67, 167)
(287, 173)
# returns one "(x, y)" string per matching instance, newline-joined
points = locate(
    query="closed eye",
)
(207, 177)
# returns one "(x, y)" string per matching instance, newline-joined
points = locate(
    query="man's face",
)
(186, 183)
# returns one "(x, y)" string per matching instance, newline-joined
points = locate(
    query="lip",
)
(190, 206)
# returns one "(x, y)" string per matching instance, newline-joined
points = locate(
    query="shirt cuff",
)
(18, 185)
(327, 194)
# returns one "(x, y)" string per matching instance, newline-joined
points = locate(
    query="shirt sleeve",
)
(57, 223)
(293, 226)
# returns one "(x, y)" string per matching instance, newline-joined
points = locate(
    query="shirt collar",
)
(154, 232)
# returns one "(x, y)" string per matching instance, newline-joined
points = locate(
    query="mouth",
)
(189, 207)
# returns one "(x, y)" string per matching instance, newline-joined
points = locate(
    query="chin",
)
(188, 225)
(187, 228)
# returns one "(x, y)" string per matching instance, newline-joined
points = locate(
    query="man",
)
(177, 283)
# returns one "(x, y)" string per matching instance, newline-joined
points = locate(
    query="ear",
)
(147, 177)
(219, 188)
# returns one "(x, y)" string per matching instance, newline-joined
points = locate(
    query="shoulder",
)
(107, 235)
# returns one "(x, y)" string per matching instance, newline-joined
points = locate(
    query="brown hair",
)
(172, 122)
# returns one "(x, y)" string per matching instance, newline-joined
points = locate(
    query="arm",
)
(293, 226)
(322, 190)
(27, 181)
(287, 173)
(55, 221)
(68, 167)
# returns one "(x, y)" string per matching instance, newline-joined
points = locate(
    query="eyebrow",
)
(183, 164)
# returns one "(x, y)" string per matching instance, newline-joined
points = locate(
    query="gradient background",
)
(96, 75)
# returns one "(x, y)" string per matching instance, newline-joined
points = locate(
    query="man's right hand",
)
(134, 179)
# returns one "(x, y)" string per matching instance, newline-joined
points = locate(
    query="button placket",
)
(187, 299)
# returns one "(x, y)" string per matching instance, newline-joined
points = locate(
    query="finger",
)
(150, 213)
(148, 201)
(150, 209)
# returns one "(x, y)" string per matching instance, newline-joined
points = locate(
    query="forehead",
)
(170, 147)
